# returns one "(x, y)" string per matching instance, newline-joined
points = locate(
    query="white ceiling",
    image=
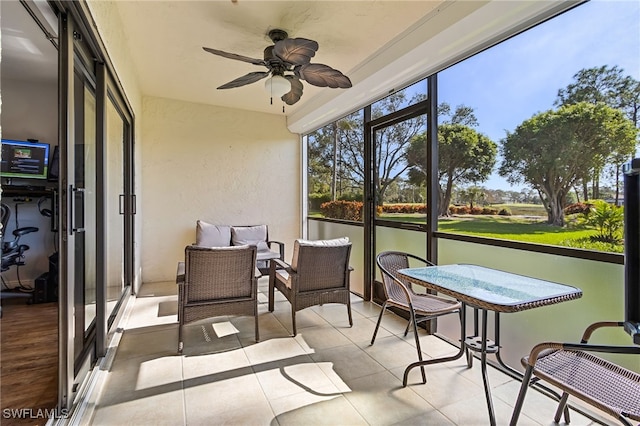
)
(380, 45)
(27, 53)
(166, 40)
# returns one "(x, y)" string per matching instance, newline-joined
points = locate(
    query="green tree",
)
(552, 150)
(464, 156)
(607, 85)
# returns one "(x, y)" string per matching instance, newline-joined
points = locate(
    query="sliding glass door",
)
(96, 201)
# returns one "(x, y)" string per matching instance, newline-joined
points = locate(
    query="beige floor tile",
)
(322, 337)
(220, 362)
(302, 377)
(391, 352)
(304, 318)
(366, 309)
(254, 413)
(143, 342)
(348, 362)
(444, 386)
(362, 331)
(542, 408)
(134, 378)
(434, 346)
(311, 409)
(274, 350)
(158, 289)
(381, 399)
(474, 411)
(430, 418)
(221, 394)
(328, 374)
(148, 311)
(165, 408)
(200, 338)
(334, 312)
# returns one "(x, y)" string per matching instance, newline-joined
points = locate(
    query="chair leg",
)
(415, 332)
(406, 330)
(562, 407)
(349, 312)
(271, 292)
(293, 321)
(373, 339)
(180, 342)
(520, 401)
(257, 330)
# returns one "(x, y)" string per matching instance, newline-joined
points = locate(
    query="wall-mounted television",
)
(24, 159)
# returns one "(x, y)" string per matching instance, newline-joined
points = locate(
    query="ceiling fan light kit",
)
(288, 62)
(277, 86)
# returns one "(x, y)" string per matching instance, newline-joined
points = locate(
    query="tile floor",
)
(327, 374)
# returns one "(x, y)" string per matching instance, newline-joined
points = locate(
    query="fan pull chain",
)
(272, 100)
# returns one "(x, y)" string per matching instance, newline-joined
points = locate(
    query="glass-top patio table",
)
(486, 289)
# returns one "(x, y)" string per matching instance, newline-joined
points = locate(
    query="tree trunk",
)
(556, 209)
(445, 199)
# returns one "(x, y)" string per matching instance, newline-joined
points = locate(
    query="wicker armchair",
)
(577, 371)
(217, 281)
(399, 294)
(318, 274)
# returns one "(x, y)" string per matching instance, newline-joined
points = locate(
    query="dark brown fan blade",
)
(296, 51)
(235, 56)
(296, 90)
(323, 76)
(252, 77)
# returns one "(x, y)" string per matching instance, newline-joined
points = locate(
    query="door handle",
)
(74, 193)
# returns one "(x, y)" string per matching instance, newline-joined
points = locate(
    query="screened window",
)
(533, 132)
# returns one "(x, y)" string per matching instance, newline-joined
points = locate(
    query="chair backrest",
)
(389, 263)
(323, 267)
(219, 273)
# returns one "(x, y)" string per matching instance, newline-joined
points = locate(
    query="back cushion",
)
(251, 235)
(297, 243)
(208, 235)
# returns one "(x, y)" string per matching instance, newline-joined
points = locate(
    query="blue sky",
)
(520, 77)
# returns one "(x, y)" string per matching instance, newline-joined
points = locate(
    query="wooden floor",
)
(28, 358)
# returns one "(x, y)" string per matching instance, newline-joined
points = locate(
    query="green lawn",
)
(528, 224)
(503, 227)
(512, 228)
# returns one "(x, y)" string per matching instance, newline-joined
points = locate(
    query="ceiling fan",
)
(288, 61)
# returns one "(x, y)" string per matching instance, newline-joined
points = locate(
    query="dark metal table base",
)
(476, 343)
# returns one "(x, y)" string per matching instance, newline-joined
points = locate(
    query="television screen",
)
(21, 159)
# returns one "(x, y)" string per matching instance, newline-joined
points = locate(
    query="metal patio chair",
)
(399, 294)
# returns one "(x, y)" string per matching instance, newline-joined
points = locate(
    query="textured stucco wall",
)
(109, 25)
(218, 164)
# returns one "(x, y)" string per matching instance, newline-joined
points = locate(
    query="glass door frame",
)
(426, 107)
(75, 29)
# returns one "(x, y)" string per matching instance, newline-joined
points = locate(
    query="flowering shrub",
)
(404, 208)
(345, 210)
(489, 210)
(577, 208)
(459, 209)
